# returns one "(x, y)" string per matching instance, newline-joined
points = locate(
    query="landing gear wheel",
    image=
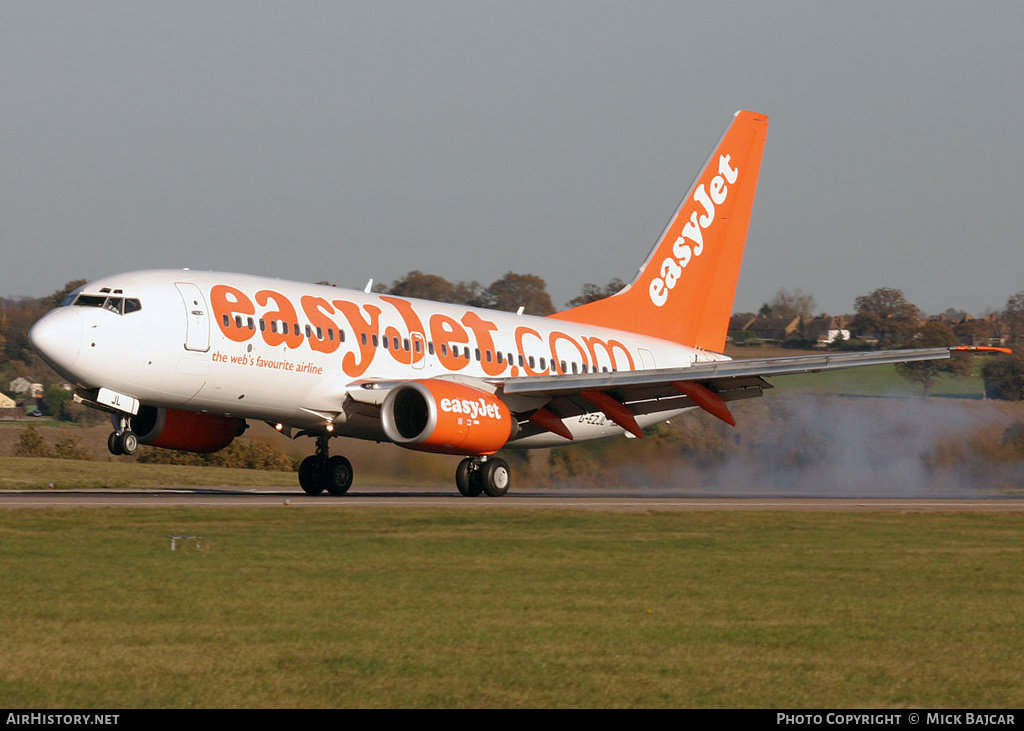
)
(337, 475)
(112, 445)
(467, 478)
(309, 476)
(127, 442)
(495, 477)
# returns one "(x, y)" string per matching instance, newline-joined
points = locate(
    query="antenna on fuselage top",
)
(368, 287)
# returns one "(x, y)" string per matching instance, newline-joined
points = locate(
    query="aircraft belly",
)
(591, 427)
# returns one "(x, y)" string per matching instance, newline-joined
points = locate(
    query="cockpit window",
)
(70, 296)
(119, 305)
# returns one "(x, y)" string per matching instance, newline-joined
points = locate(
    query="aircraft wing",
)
(719, 372)
(625, 394)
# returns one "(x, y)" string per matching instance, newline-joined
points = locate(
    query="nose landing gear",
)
(122, 441)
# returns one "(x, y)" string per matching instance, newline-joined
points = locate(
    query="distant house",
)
(6, 402)
(826, 329)
(822, 330)
(23, 385)
(741, 321)
(987, 330)
(774, 328)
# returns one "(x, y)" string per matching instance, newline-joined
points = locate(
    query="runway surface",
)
(631, 500)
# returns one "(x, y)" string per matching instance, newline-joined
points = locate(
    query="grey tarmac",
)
(591, 499)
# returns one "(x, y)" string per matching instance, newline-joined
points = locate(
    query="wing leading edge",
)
(716, 372)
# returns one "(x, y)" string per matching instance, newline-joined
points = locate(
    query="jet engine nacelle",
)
(443, 416)
(185, 430)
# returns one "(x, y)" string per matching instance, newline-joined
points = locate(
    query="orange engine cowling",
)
(442, 416)
(185, 430)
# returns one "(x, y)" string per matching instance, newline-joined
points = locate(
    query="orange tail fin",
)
(684, 290)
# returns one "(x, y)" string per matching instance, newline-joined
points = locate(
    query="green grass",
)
(881, 380)
(379, 607)
(23, 473)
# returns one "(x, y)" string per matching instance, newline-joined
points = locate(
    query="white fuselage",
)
(289, 353)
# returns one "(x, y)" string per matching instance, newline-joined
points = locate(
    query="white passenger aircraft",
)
(181, 359)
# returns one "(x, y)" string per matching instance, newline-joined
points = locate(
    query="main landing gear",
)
(475, 475)
(488, 475)
(321, 472)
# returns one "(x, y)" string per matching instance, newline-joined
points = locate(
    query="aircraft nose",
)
(57, 336)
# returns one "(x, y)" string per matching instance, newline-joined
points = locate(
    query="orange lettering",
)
(520, 332)
(482, 331)
(317, 309)
(554, 338)
(227, 302)
(609, 348)
(415, 327)
(285, 318)
(365, 330)
(444, 331)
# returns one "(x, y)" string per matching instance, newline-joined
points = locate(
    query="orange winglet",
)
(982, 349)
(615, 411)
(707, 399)
(550, 421)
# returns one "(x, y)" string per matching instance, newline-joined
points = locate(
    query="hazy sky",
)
(346, 140)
